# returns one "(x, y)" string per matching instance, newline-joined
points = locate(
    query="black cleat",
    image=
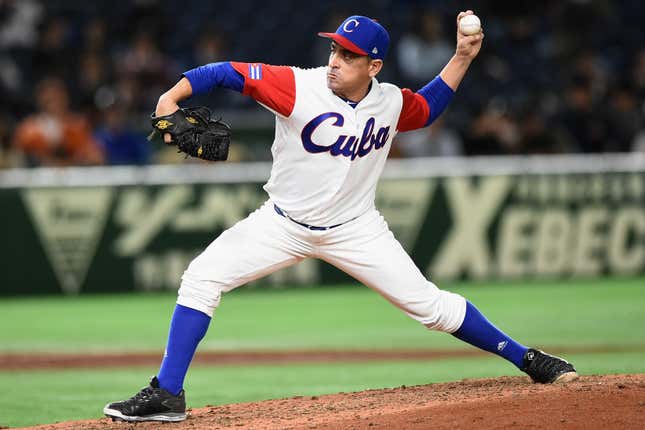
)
(152, 403)
(547, 369)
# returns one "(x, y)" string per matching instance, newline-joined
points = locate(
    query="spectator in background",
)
(623, 119)
(18, 36)
(19, 19)
(93, 87)
(143, 57)
(55, 136)
(536, 137)
(210, 48)
(580, 120)
(588, 67)
(424, 52)
(493, 131)
(146, 68)
(55, 54)
(95, 37)
(434, 141)
(92, 78)
(119, 138)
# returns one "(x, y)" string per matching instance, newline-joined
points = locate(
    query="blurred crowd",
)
(79, 79)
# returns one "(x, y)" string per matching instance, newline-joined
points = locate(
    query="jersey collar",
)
(371, 94)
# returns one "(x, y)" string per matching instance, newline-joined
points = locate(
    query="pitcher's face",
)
(348, 71)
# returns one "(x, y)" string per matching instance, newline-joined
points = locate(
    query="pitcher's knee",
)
(198, 294)
(445, 312)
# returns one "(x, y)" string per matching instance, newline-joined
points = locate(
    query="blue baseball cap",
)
(361, 35)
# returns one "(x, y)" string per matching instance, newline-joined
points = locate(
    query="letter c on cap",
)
(345, 27)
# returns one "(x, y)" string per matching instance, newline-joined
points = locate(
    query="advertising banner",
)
(106, 238)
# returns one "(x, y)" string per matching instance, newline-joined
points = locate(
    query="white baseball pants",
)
(364, 248)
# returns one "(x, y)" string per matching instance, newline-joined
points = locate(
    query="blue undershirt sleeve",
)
(438, 94)
(204, 78)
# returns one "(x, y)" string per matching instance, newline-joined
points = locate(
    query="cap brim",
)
(344, 42)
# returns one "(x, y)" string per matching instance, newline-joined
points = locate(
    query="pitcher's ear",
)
(375, 67)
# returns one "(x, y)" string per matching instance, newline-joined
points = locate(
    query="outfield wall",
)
(129, 228)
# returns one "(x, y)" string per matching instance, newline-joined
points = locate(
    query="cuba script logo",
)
(347, 146)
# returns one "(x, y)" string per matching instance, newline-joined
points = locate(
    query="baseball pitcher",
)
(333, 131)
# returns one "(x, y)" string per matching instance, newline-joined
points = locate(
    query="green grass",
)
(81, 394)
(577, 313)
(593, 312)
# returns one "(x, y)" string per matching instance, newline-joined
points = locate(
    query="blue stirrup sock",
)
(187, 328)
(478, 331)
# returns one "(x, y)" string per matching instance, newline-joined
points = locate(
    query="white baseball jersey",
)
(327, 155)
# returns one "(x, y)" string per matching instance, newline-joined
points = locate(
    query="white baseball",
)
(470, 24)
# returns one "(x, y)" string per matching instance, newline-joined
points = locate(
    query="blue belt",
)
(310, 227)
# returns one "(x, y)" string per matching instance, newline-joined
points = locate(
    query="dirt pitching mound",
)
(610, 402)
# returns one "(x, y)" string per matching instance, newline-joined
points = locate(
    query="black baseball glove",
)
(194, 133)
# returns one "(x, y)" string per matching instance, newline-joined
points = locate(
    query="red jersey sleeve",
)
(414, 113)
(272, 86)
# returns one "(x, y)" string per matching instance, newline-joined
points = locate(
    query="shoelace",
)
(144, 394)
